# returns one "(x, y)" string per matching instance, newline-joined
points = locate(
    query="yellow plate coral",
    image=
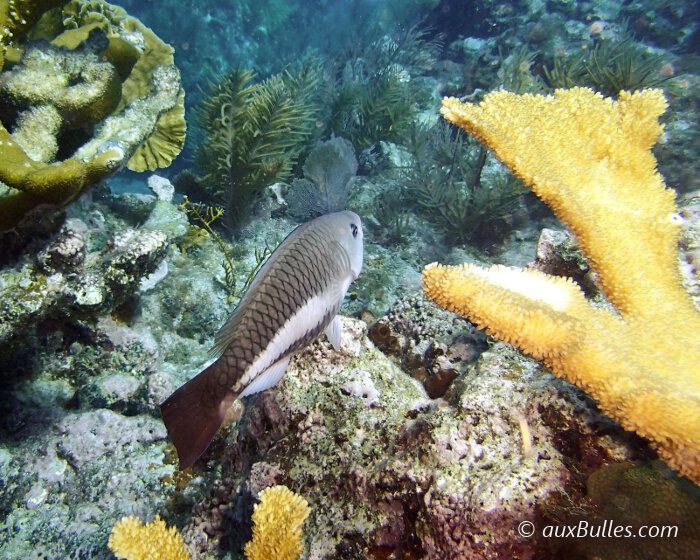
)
(129, 90)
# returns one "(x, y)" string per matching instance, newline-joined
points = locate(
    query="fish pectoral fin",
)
(190, 421)
(267, 378)
(333, 331)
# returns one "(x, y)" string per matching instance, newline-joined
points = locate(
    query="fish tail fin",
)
(192, 419)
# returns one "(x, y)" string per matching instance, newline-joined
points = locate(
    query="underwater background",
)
(153, 155)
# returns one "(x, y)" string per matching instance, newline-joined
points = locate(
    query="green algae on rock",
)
(387, 469)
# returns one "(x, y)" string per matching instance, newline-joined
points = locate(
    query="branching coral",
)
(131, 540)
(104, 93)
(277, 525)
(588, 157)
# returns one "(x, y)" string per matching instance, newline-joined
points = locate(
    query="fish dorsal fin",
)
(225, 335)
(333, 331)
(268, 378)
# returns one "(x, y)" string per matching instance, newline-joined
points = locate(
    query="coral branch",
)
(588, 158)
(277, 525)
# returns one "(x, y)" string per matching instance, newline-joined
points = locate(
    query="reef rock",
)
(388, 471)
(65, 282)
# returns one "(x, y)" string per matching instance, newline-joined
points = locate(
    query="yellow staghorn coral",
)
(589, 158)
(277, 525)
(131, 540)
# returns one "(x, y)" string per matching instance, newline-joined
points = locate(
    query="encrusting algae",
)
(589, 158)
(277, 519)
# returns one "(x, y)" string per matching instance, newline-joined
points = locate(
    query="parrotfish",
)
(293, 298)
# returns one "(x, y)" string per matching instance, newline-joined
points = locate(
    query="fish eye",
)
(353, 229)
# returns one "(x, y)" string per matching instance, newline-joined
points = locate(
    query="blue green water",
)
(410, 442)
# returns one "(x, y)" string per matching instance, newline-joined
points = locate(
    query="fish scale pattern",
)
(304, 268)
(294, 296)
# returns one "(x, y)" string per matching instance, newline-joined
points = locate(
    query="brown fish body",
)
(293, 298)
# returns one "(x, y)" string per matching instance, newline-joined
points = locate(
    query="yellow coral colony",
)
(589, 158)
(131, 540)
(277, 525)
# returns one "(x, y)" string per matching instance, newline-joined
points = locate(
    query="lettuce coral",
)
(588, 157)
(277, 525)
(102, 94)
(131, 540)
